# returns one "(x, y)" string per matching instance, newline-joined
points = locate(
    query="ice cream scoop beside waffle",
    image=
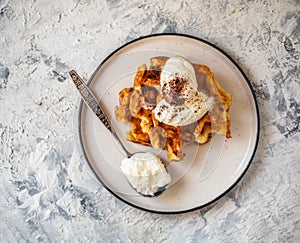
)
(137, 104)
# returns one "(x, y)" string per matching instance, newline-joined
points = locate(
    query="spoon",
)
(94, 105)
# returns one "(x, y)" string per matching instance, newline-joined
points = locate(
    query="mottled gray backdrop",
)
(47, 193)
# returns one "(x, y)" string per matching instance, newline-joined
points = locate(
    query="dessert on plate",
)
(174, 102)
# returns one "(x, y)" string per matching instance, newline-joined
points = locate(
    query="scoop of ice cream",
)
(146, 173)
(181, 102)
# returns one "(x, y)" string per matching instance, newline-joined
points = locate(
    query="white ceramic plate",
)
(208, 171)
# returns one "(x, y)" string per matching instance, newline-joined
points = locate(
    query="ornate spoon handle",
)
(90, 99)
(94, 105)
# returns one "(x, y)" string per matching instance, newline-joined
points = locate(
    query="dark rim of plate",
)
(257, 115)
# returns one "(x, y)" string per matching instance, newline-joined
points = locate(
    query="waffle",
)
(136, 104)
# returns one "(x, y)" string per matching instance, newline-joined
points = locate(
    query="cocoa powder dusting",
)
(173, 91)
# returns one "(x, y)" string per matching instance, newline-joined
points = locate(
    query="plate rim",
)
(80, 108)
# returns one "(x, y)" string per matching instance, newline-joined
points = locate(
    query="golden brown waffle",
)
(138, 102)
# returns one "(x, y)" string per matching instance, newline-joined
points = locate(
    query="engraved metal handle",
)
(90, 99)
(94, 105)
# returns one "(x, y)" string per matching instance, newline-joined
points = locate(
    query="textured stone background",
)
(46, 192)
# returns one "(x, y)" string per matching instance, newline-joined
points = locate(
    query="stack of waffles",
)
(136, 105)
